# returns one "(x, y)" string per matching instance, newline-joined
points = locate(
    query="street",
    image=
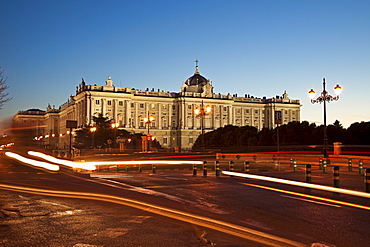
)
(45, 220)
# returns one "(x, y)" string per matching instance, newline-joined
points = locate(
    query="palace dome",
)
(196, 79)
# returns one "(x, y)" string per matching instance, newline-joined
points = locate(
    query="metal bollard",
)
(231, 165)
(153, 168)
(217, 168)
(320, 164)
(308, 173)
(367, 180)
(361, 167)
(295, 163)
(205, 169)
(195, 170)
(324, 166)
(295, 168)
(140, 168)
(349, 165)
(291, 162)
(246, 167)
(336, 176)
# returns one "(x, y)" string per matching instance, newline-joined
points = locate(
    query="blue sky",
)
(255, 47)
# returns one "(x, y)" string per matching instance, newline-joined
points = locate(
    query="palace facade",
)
(175, 123)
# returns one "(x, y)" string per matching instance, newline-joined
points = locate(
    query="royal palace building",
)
(178, 118)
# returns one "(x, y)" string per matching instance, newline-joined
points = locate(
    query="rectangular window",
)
(109, 102)
(256, 111)
(132, 105)
(190, 140)
(153, 106)
(97, 102)
(120, 103)
(141, 105)
(247, 111)
(165, 140)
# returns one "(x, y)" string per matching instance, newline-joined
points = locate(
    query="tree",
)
(4, 97)
(86, 139)
(359, 133)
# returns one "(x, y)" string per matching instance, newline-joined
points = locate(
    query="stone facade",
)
(175, 124)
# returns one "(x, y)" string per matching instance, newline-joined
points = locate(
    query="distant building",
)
(32, 118)
(175, 123)
(28, 124)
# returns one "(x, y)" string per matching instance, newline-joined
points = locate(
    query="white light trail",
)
(92, 165)
(81, 165)
(301, 184)
(33, 162)
(147, 162)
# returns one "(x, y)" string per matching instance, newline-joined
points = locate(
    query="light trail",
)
(301, 184)
(92, 165)
(221, 226)
(81, 165)
(309, 196)
(32, 162)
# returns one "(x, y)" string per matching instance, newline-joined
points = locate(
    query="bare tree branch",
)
(4, 97)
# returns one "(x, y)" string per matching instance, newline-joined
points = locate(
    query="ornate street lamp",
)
(114, 127)
(92, 130)
(201, 112)
(323, 98)
(148, 120)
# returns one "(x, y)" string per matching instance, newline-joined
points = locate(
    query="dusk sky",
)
(255, 47)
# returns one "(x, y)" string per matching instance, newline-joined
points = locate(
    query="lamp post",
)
(323, 98)
(147, 120)
(201, 112)
(114, 127)
(92, 130)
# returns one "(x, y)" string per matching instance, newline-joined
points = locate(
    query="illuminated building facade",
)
(175, 123)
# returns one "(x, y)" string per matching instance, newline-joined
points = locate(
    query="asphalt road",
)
(44, 220)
